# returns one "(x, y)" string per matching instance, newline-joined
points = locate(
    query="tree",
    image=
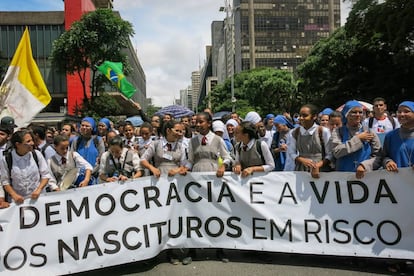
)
(373, 55)
(266, 90)
(328, 70)
(102, 106)
(98, 36)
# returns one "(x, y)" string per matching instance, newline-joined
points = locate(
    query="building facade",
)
(44, 28)
(284, 31)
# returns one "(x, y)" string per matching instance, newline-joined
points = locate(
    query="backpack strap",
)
(9, 161)
(392, 121)
(259, 150)
(370, 122)
(295, 133)
(390, 118)
(320, 132)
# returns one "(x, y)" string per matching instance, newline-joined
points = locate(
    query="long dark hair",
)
(18, 136)
(250, 129)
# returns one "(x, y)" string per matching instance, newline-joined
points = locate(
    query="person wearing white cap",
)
(231, 125)
(253, 117)
(220, 129)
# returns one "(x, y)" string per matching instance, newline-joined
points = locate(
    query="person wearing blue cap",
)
(279, 146)
(104, 125)
(353, 146)
(398, 150)
(88, 144)
(324, 117)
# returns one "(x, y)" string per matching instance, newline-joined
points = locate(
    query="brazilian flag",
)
(113, 71)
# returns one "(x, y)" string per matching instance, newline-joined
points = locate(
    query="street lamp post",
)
(229, 28)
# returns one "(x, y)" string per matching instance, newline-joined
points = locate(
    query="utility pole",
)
(331, 17)
(229, 36)
(252, 45)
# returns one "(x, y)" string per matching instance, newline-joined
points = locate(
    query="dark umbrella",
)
(220, 114)
(177, 111)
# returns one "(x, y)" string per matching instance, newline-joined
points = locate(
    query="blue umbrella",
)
(177, 111)
(136, 121)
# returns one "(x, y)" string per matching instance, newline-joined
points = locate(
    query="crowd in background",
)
(39, 158)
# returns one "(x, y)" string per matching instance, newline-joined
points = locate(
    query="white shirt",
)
(291, 141)
(25, 173)
(267, 155)
(382, 126)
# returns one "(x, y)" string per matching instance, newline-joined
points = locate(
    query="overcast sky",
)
(170, 37)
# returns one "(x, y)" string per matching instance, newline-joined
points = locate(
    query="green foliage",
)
(265, 90)
(101, 106)
(372, 56)
(99, 35)
(151, 109)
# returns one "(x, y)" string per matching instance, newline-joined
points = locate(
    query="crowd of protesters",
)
(39, 159)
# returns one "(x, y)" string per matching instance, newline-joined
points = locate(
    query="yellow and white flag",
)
(23, 93)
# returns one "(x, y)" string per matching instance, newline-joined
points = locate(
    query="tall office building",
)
(195, 89)
(184, 96)
(279, 33)
(270, 33)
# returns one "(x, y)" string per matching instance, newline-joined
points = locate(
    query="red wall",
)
(73, 12)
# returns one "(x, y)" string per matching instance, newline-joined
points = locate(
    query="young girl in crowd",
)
(308, 144)
(24, 171)
(167, 153)
(207, 153)
(252, 155)
(145, 138)
(66, 162)
(206, 148)
(130, 140)
(119, 162)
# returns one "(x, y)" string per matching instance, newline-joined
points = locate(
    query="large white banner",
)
(115, 223)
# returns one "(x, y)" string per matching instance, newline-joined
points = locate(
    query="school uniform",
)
(249, 156)
(127, 164)
(59, 165)
(308, 144)
(203, 153)
(166, 155)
